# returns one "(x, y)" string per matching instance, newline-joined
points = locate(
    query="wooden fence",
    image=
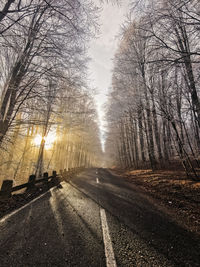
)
(7, 185)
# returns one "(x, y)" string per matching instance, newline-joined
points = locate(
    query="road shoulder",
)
(180, 199)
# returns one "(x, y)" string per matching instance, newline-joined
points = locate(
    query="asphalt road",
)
(96, 219)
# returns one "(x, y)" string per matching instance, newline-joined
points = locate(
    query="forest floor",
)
(179, 194)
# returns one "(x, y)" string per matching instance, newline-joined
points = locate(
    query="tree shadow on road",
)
(48, 233)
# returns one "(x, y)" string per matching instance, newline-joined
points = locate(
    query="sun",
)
(37, 140)
(49, 140)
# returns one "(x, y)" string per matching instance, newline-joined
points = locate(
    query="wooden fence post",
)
(45, 176)
(54, 179)
(31, 182)
(6, 189)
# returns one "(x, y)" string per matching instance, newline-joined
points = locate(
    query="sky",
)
(102, 52)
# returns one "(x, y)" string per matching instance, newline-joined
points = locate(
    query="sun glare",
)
(37, 140)
(49, 140)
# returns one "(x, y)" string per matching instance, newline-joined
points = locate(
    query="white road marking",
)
(110, 257)
(97, 179)
(23, 207)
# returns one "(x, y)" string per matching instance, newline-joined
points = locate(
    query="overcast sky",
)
(102, 51)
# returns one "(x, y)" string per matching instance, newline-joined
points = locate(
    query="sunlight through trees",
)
(46, 108)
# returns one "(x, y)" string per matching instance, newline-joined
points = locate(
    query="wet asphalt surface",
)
(63, 228)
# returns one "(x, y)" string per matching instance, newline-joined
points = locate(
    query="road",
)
(97, 219)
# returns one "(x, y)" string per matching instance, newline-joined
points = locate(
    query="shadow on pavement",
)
(48, 233)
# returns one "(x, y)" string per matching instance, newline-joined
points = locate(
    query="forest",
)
(47, 112)
(154, 108)
(100, 133)
(48, 118)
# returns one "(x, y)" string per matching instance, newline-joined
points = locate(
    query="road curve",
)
(97, 219)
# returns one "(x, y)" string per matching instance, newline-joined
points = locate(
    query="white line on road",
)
(97, 179)
(110, 257)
